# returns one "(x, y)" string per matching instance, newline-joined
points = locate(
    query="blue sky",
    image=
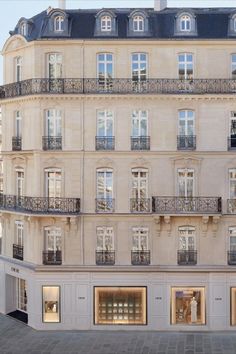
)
(12, 10)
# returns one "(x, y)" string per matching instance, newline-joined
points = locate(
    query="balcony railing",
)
(186, 142)
(187, 257)
(52, 257)
(40, 205)
(117, 86)
(140, 142)
(140, 205)
(18, 252)
(16, 143)
(140, 257)
(232, 143)
(105, 257)
(231, 257)
(105, 142)
(231, 206)
(105, 205)
(52, 142)
(178, 205)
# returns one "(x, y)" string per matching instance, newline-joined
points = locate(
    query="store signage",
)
(158, 298)
(218, 298)
(81, 298)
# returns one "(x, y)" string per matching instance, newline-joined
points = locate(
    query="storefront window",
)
(51, 304)
(188, 306)
(120, 305)
(233, 306)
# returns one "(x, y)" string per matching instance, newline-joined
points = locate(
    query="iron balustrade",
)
(52, 142)
(178, 205)
(140, 142)
(40, 205)
(105, 205)
(187, 257)
(231, 143)
(18, 252)
(186, 142)
(140, 205)
(117, 86)
(231, 206)
(105, 257)
(231, 257)
(105, 142)
(52, 257)
(16, 143)
(141, 257)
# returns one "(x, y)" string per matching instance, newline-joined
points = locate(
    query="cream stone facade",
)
(129, 225)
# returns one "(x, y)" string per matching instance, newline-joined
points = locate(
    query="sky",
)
(12, 10)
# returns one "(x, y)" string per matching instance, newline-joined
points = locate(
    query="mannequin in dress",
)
(193, 305)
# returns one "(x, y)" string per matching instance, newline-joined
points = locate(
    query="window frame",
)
(57, 63)
(105, 234)
(104, 21)
(19, 233)
(186, 120)
(233, 171)
(108, 115)
(18, 68)
(186, 178)
(139, 232)
(186, 62)
(138, 23)
(139, 116)
(185, 19)
(58, 23)
(139, 63)
(46, 172)
(105, 171)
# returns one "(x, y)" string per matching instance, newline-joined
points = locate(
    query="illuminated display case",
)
(120, 305)
(51, 304)
(233, 306)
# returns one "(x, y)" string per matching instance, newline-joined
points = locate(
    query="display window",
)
(233, 306)
(51, 304)
(188, 306)
(120, 305)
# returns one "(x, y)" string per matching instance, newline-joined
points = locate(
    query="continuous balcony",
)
(52, 142)
(140, 205)
(16, 143)
(187, 257)
(140, 257)
(105, 205)
(105, 143)
(105, 257)
(140, 143)
(40, 205)
(18, 252)
(231, 143)
(52, 257)
(186, 142)
(117, 86)
(186, 205)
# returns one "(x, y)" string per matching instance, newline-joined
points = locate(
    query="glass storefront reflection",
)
(51, 304)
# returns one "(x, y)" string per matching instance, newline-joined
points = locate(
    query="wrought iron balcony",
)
(52, 257)
(140, 257)
(140, 205)
(186, 205)
(18, 252)
(186, 142)
(117, 86)
(140, 143)
(231, 257)
(52, 142)
(16, 143)
(105, 257)
(231, 143)
(187, 257)
(40, 205)
(105, 205)
(105, 142)
(231, 206)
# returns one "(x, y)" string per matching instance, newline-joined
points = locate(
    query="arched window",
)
(138, 23)
(185, 23)
(59, 24)
(23, 28)
(106, 23)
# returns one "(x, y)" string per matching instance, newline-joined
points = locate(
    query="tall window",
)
(20, 176)
(18, 124)
(185, 23)
(105, 238)
(53, 183)
(19, 233)
(53, 122)
(59, 24)
(186, 123)
(185, 66)
(53, 239)
(21, 295)
(139, 189)
(138, 24)
(104, 190)
(139, 123)
(104, 123)
(105, 69)
(186, 238)
(233, 66)
(106, 23)
(232, 183)
(186, 182)
(232, 131)
(140, 239)
(18, 69)
(139, 66)
(232, 239)
(23, 29)
(54, 66)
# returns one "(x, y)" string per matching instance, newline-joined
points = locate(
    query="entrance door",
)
(21, 295)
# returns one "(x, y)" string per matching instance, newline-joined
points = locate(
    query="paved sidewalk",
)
(17, 338)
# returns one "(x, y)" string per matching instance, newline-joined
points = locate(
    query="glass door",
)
(53, 123)
(21, 295)
(104, 190)
(140, 190)
(53, 188)
(105, 70)
(53, 239)
(140, 239)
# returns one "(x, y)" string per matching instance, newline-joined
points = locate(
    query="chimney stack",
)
(62, 4)
(160, 5)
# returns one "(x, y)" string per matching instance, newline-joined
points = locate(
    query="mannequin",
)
(193, 305)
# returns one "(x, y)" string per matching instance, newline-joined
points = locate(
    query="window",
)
(104, 190)
(53, 183)
(233, 66)
(53, 240)
(51, 304)
(139, 123)
(233, 306)
(185, 66)
(120, 305)
(59, 24)
(186, 122)
(185, 23)
(106, 23)
(185, 183)
(138, 24)
(140, 201)
(187, 238)
(54, 66)
(20, 176)
(139, 66)
(105, 123)
(0, 238)
(18, 69)
(53, 123)
(18, 124)
(105, 69)
(19, 236)
(188, 306)
(23, 29)
(232, 183)
(232, 131)
(105, 238)
(140, 238)
(21, 295)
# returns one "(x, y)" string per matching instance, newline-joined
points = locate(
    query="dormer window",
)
(185, 23)
(235, 24)
(59, 24)
(138, 24)
(23, 29)
(106, 23)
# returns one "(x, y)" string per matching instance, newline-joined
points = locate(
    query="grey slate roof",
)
(212, 23)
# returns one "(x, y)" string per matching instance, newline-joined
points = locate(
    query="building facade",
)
(119, 169)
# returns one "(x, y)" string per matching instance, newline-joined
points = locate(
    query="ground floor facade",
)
(111, 298)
